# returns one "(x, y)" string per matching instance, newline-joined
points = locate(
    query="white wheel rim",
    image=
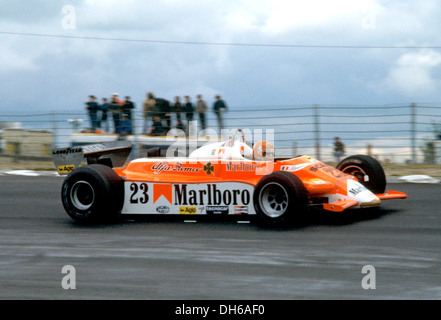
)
(273, 200)
(82, 195)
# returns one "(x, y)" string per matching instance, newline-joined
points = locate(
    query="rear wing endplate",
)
(69, 159)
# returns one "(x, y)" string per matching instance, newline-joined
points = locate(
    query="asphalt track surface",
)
(174, 259)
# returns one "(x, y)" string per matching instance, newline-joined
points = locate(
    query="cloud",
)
(244, 75)
(288, 15)
(11, 61)
(412, 73)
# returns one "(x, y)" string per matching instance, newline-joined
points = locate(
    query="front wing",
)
(341, 205)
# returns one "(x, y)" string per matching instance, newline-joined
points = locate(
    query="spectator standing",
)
(104, 107)
(219, 108)
(92, 108)
(157, 128)
(127, 109)
(115, 107)
(180, 125)
(189, 110)
(177, 108)
(125, 125)
(201, 109)
(163, 106)
(148, 110)
(339, 149)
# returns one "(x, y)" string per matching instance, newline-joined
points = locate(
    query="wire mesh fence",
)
(396, 133)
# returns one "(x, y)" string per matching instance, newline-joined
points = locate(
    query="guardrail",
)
(395, 133)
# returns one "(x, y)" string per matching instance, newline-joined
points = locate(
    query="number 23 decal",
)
(143, 188)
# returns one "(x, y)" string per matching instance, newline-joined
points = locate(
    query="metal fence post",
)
(317, 131)
(135, 151)
(294, 148)
(413, 131)
(54, 127)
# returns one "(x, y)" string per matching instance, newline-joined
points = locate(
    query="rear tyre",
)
(93, 194)
(367, 170)
(280, 199)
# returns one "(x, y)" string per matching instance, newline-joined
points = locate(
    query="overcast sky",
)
(252, 52)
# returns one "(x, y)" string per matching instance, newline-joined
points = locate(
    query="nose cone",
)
(364, 196)
(373, 203)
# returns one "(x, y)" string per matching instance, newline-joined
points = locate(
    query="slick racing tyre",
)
(93, 194)
(367, 170)
(280, 199)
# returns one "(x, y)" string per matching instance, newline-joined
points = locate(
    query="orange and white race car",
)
(218, 179)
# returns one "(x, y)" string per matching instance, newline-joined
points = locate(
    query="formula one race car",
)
(222, 178)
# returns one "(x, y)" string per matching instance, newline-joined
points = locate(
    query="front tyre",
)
(93, 194)
(280, 199)
(367, 170)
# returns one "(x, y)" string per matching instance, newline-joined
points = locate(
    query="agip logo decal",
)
(188, 210)
(66, 169)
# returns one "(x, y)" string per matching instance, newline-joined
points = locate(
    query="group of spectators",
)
(157, 114)
(121, 113)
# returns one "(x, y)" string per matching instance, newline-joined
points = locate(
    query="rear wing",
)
(69, 159)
